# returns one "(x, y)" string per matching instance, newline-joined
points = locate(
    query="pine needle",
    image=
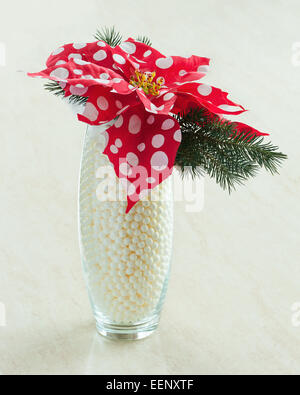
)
(109, 35)
(219, 150)
(145, 40)
(54, 88)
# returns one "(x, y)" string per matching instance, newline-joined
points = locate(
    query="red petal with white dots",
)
(170, 68)
(142, 147)
(158, 105)
(97, 52)
(144, 140)
(103, 106)
(77, 73)
(212, 98)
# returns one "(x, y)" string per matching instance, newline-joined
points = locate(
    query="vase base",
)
(127, 332)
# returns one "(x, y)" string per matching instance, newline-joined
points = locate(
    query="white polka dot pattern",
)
(135, 124)
(150, 149)
(60, 73)
(100, 55)
(128, 47)
(164, 63)
(102, 103)
(119, 59)
(204, 90)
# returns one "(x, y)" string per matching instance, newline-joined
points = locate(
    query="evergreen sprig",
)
(109, 35)
(145, 40)
(218, 149)
(54, 88)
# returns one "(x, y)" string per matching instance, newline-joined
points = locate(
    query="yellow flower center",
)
(145, 81)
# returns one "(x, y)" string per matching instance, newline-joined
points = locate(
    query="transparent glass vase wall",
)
(126, 257)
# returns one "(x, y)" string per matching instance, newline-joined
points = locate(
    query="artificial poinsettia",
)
(142, 89)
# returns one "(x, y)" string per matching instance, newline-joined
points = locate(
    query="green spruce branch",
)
(145, 40)
(54, 88)
(109, 35)
(216, 148)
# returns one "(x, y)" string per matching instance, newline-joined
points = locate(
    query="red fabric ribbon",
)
(143, 142)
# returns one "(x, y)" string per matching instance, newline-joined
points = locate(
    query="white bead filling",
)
(126, 256)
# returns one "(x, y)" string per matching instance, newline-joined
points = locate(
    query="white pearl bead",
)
(144, 228)
(128, 261)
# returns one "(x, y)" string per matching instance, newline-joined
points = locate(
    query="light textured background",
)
(236, 264)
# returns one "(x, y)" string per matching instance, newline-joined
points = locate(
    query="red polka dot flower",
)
(143, 91)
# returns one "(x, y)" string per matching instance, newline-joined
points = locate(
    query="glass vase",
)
(126, 257)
